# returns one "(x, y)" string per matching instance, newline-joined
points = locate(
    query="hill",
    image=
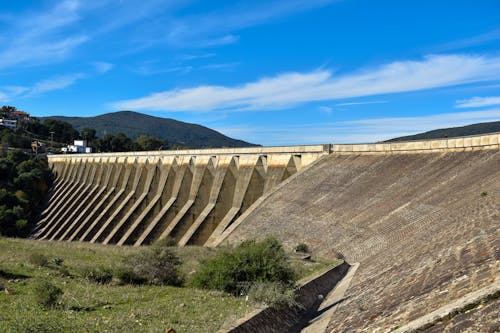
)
(134, 124)
(474, 129)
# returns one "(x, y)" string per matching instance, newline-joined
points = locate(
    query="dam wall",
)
(196, 196)
(190, 196)
(424, 228)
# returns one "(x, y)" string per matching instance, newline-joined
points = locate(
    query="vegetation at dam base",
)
(78, 287)
(24, 183)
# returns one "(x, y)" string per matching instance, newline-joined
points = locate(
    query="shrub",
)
(234, 270)
(165, 242)
(101, 275)
(58, 261)
(127, 275)
(272, 294)
(47, 294)
(302, 248)
(156, 265)
(38, 259)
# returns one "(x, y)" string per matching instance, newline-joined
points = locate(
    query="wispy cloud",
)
(325, 109)
(102, 67)
(360, 103)
(217, 28)
(476, 102)
(51, 33)
(470, 41)
(3, 97)
(356, 131)
(188, 57)
(55, 83)
(290, 89)
(41, 37)
(148, 68)
(221, 66)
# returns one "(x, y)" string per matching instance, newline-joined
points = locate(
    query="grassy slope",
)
(92, 307)
(134, 124)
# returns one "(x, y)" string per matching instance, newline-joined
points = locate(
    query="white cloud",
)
(55, 83)
(325, 109)
(3, 97)
(41, 87)
(356, 131)
(42, 37)
(102, 67)
(360, 103)
(215, 28)
(471, 41)
(291, 89)
(476, 102)
(221, 66)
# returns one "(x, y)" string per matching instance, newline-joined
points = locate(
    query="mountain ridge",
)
(452, 132)
(134, 124)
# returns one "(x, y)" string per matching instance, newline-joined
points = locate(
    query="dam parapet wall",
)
(466, 143)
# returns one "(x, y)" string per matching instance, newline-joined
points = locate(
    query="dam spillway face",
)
(421, 220)
(191, 196)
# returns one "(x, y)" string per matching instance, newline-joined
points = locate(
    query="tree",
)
(6, 109)
(145, 142)
(88, 134)
(112, 143)
(63, 131)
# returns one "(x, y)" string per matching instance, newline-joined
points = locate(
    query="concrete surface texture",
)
(423, 227)
(137, 198)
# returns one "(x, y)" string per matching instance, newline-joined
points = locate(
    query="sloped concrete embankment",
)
(423, 226)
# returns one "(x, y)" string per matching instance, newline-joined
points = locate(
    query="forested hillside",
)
(134, 124)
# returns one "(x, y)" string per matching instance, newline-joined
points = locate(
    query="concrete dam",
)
(191, 196)
(420, 220)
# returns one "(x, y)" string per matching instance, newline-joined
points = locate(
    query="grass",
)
(87, 306)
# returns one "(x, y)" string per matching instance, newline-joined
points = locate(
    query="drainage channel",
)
(317, 321)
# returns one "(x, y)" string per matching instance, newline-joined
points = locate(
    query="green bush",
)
(155, 265)
(47, 294)
(272, 294)
(235, 270)
(302, 248)
(58, 261)
(165, 242)
(38, 259)
(101, 275)
(127, 275)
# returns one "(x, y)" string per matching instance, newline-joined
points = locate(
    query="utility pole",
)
(52, 139)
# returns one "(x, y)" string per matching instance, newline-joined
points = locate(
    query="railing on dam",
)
(136, 198)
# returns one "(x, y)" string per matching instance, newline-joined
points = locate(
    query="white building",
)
(9, 123)
(78, 146)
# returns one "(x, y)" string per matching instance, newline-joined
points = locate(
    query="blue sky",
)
(269, 72)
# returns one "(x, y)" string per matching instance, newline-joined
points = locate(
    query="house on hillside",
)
(12, 117)
(20, 115)
(78, 146)
(9, 123)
